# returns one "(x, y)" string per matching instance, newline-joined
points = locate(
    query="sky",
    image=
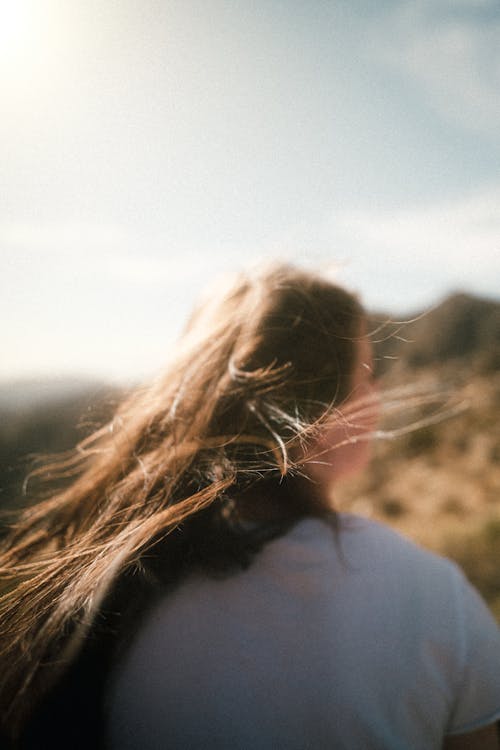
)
(148, 147)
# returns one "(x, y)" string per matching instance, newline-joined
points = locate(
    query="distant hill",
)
(44, 417)
(28, 393)
(463, 328)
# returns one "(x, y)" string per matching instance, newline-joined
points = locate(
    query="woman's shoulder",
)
(383, 543)
(370, 555)
(366, 539)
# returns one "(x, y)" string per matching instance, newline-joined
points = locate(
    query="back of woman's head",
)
(264, 359)
(281, 340)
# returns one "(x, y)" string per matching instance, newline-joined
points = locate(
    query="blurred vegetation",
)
(478, 553)
(32, 431)
(440, 484)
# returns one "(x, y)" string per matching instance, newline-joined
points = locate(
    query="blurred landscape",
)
(438, 484)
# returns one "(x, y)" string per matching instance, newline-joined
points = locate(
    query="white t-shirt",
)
(367, 642)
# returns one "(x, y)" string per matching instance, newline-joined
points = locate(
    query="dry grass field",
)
(440, 485)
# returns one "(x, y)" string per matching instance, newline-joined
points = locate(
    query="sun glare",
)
(16, 27)
(32, 41)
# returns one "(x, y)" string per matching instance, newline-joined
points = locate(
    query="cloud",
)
(63, 237)
(114, 255)
(150, 271)
(451, 50)
(104, 252)
(423, 251)
(399, 258)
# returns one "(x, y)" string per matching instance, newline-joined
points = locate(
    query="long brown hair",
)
(261, 364)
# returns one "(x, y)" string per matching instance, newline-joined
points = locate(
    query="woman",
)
(191, 587)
